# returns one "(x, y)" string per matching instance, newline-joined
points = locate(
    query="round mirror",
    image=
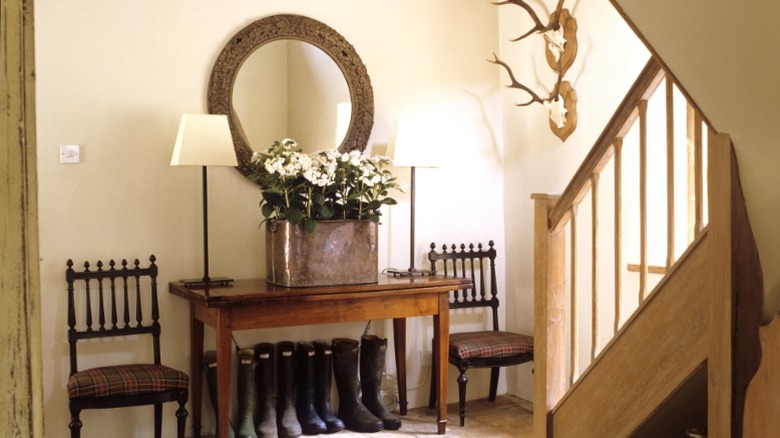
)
(257, 100)
(292, 89)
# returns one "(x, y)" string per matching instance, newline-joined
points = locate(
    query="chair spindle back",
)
(114, 284)
(479, 265)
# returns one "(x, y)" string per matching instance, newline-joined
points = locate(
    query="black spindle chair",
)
(122, 385)
(490, 348)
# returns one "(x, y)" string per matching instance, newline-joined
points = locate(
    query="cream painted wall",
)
(114, 77)
(608, 61)
(725, 55)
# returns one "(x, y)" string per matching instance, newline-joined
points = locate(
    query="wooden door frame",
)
(21, 397)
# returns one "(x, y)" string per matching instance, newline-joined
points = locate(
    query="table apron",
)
(287, 314)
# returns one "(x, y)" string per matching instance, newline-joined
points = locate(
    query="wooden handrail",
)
(602, 150)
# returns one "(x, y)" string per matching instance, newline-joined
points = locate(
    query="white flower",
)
(355, 158)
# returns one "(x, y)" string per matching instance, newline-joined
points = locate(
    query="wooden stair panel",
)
(656, 351)
(761, 402)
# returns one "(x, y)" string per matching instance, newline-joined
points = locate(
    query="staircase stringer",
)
(656, 351)
(704, 312)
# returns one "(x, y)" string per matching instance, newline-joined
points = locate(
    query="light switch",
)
(69, 153)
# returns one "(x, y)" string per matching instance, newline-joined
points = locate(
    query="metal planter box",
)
(337, 252)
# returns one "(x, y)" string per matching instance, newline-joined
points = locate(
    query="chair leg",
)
(181, 414)
(493, 383)
(75, 423)
(462, 380)
(158, 420)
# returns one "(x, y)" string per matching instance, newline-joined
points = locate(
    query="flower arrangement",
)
(305, 188)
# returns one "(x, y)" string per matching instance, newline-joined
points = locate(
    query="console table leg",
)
(224, 366)
(399, 340)
(441, 333)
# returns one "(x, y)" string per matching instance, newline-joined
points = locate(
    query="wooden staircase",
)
(694, 335)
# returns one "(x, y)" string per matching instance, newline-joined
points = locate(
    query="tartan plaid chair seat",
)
(490, 348)
(107, 292)
(121, 380)
(484, 344)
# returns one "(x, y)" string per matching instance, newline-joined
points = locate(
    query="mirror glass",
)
(290, 76)
(292, 89)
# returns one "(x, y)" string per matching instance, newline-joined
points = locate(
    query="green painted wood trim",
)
(21, 384)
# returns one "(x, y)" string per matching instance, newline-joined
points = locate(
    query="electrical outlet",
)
(69, 153)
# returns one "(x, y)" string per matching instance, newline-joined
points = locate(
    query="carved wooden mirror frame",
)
(287, 26)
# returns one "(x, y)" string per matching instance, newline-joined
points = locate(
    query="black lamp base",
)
(411, 272)
(207, 282)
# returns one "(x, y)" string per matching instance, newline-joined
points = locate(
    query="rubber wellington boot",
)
(311, 423)
(372, 364)
(323, 370)
(210, 365)
(246, 393)
(286, 419)
(265, 421)
(345, 368)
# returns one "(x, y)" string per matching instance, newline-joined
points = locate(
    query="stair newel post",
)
(549, 315)
(719, 362)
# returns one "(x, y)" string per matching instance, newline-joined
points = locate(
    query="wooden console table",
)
(253, 304)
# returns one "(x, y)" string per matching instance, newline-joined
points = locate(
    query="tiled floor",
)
(508, 416)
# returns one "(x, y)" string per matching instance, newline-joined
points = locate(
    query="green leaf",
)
(267, 210)
(325, 212)
(309, 224)
(294, 215)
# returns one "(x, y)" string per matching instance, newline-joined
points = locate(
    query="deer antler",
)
(535, 98)
(538, 25)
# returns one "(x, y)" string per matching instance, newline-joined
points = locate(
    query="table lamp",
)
(406, 149)
(204, 140)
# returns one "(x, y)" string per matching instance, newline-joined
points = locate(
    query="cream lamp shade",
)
(204, 140)
(412, 145)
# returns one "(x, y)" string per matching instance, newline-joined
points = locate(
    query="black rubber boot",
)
(246, 393)
(372, 364)
(210, 365)
(345, 367)
(323, 370)
(265, 421)
(286, 419)
(311, 423)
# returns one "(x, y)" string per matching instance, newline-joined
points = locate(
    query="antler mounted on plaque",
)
(560, 33)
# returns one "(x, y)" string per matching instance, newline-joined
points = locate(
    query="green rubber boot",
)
(311, 423)
(265, 421)
(286, 418)
(210, 365)
(372, 364)
(355, 416)
(246, 393)
(323, 370)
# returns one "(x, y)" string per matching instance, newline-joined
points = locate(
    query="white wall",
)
(725, 55)
(608, 61)
(114, 77)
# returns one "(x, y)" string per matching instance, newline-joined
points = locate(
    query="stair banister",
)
(602, 150)
(557, 366)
